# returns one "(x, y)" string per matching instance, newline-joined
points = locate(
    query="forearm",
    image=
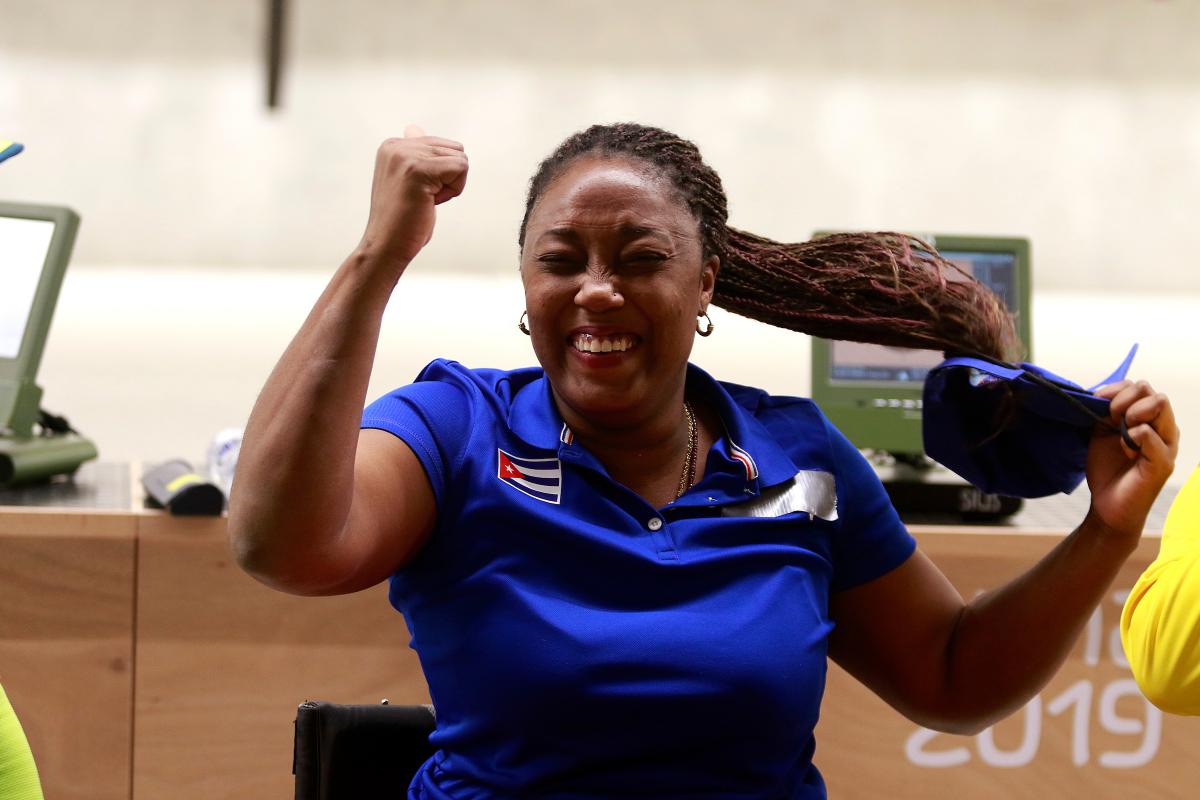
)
(295, 475)
(1008, 643)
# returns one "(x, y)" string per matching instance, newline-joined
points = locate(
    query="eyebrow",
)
(628, 230)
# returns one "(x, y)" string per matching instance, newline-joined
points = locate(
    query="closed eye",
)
(559, 261)
(645, 261)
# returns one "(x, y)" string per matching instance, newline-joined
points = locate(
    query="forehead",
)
(595, 192)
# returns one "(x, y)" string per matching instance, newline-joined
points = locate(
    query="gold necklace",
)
(689, 461)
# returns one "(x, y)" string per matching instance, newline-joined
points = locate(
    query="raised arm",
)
(1160, 625)
(317, 506)
(959, 667)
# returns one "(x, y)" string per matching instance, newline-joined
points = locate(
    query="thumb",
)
(413, 132)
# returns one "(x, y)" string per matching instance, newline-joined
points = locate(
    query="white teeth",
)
(587, 343)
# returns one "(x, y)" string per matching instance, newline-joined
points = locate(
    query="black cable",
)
(1063, 391)
(53, 425)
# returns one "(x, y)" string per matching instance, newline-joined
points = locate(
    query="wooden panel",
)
(1088, 734)
(223, 662)
(66, 646)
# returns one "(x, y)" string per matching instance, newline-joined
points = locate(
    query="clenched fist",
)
(412, 176)
(1125, 482)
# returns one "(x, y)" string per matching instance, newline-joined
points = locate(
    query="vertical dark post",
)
(276, 9)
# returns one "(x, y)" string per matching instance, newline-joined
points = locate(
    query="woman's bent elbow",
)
(276, 566)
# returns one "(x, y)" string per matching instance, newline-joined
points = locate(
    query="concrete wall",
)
(1075, 122)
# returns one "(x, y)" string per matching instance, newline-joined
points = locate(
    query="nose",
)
(598, 291)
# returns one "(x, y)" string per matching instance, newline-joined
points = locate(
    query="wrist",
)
(1120, 538)
(371, 263)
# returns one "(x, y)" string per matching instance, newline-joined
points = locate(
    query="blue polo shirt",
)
(579, 642)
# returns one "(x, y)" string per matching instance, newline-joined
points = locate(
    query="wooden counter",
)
(66, 645)
(143, 663)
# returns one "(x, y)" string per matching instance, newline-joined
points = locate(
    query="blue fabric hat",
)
(1012, 429)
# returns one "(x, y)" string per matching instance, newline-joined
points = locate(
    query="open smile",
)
(603, 344)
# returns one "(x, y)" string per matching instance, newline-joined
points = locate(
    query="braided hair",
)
(880, 288)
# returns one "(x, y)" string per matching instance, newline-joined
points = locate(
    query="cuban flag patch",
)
(540, 478)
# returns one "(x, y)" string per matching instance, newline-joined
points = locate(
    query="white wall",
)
(1076, 122)
(210, 224)
(152, 363)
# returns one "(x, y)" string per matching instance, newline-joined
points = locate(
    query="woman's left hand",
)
(1125, 482)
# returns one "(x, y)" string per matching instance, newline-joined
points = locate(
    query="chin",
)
(596, 398)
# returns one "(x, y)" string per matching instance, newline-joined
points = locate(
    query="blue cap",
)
(1012, 429)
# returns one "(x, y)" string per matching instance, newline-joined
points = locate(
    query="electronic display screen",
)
(872, 363)
(24, 244)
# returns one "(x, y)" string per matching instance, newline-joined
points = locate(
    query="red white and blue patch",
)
(540, 478)
(747, 462)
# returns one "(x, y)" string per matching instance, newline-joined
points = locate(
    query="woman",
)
(623, 577)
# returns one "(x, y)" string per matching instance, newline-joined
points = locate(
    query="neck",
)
(645, 455)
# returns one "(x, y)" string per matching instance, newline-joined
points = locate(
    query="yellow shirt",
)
(18, 774)
(1160, 625)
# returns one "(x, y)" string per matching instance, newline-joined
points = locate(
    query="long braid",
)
(880, 288)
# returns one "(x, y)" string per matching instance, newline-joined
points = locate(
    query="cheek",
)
(544, 302)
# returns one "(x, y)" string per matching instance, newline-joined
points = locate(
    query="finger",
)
(1157, 457)
(1110, 390)
(1157, 412)
(417, 132)
(438, 141)
(442, 150)
(451, 190)
(1126, 397)
(1154, 409)
(451, 173)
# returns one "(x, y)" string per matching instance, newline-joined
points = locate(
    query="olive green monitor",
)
(35, 246)
(873, 393)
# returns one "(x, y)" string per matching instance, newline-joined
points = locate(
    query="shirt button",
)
(654, 524)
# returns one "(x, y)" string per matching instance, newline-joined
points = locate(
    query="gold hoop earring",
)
(704, 331)
(521, 323)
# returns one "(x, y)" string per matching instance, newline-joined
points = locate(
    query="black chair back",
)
(358, 752)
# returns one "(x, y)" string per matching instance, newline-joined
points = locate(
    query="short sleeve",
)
(433, 418)
(872, 540)
(1160, 624)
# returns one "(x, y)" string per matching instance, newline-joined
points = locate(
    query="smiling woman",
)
(624, 577)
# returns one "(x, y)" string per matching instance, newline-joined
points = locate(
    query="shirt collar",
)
(534, 417)
(748, 443)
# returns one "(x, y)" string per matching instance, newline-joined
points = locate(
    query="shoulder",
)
(795, 424)
(440, 414)
(449, 386)
(503, 384)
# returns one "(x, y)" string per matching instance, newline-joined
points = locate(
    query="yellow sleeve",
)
(1160, 624)
(18, 773)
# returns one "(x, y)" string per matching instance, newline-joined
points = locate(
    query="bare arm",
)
(958, 666)
(317, 507)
